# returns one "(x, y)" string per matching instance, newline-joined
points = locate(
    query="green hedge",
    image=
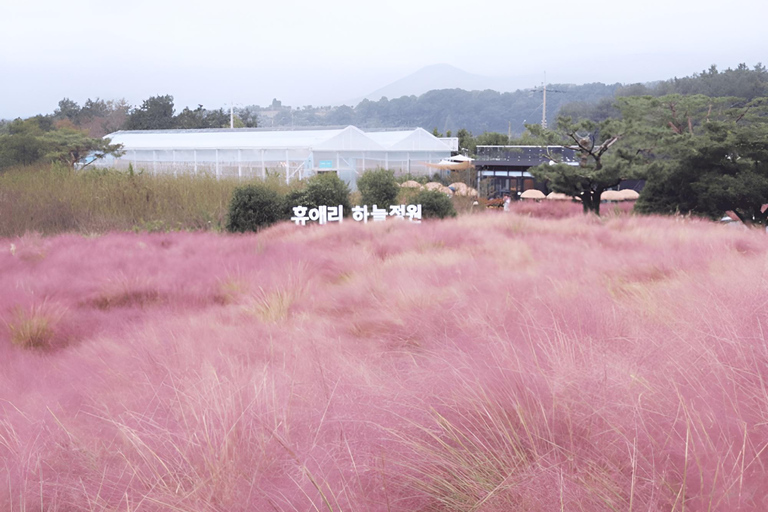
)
(378, 187)
(435, 204)
(254, 207)
(322, 189)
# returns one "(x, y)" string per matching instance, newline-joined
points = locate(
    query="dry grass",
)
(34, 327)
(51, 200)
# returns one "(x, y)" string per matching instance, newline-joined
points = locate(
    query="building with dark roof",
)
(504, 169)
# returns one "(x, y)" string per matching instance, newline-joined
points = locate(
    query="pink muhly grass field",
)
(550, 209)
(492, 362)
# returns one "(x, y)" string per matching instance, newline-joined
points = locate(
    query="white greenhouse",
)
(294, 154)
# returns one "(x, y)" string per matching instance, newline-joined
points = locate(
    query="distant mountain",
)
(445, 76)
(445, 109)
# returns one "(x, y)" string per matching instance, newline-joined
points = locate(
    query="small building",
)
(504, 169)
(294, 154)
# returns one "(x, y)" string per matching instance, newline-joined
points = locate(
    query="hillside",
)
(449, 109)
(474, 106)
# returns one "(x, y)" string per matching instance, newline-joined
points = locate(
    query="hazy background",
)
(339, 51)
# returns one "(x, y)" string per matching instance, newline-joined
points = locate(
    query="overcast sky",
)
(320, 52)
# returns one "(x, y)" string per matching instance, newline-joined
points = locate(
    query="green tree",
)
(435, 204)
(73, 147)
(22, 144)
(600, 111)
(378, 187)
(94, 108)
(325, 188)
(466, 141)
(101, 117)
(703, 156)
(254, 207)
(248, 115)
(30, 141)
(741, 82)
(598, 167)
(191, 119)
(492, 139)
(68, 109)
(155, 113)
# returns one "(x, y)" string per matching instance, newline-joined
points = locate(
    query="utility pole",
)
(544, 109)
(544, 105)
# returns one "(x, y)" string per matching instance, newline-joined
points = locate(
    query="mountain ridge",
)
(446, 76)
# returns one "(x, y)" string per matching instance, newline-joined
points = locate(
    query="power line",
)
(544, 104)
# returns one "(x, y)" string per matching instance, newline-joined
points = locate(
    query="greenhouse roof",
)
(409, 140)
(340, 139)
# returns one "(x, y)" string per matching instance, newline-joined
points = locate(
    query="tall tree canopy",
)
(22, 144)
(602, 162)
(702, 156)
(155, 113)
(201, 118)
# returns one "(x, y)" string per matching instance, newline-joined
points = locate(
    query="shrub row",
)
(256, 206)
(51, 199)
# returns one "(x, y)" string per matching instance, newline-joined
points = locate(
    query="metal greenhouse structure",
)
(295, 154)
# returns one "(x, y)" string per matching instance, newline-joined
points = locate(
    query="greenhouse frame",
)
(294, 154)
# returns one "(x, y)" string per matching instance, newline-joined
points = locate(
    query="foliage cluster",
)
(435, 204)
(324, 188)
(700, 155)
(256, 206)
(39, 140)
(595, 170)
(703, 156)
(96, 117)
(741, 82)
(378, 187)
(158, 113)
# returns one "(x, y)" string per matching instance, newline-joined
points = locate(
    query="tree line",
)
(73, 134)
(701, 142)
(699, 155)
(740, 82)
